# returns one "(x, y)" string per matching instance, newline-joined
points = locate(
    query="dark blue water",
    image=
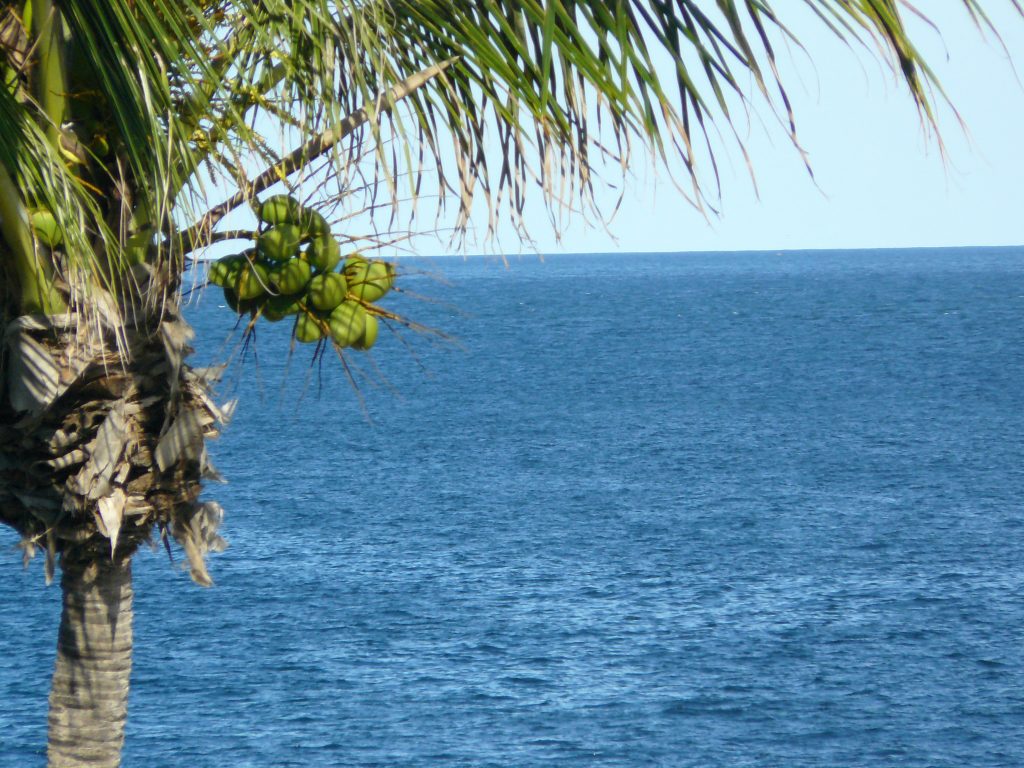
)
(676, 510)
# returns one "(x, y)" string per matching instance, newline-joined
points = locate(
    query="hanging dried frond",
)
(90, 469)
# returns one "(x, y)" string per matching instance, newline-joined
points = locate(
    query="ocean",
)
(729, 509)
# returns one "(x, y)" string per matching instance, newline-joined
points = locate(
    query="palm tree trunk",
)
(89, 695)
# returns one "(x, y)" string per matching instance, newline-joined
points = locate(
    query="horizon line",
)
(772, 251)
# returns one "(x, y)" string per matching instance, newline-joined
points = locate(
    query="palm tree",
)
(120, 120)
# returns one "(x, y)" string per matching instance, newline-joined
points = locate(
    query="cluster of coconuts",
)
(296, 271)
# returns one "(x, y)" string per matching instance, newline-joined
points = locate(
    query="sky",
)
(879, 179)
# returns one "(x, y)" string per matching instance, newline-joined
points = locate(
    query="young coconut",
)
(279, 243)
(45, 226)
(313, 224)
(369, 280)
(324, 253)
(237, 305)
(219, 270)
(347, 323)
(369, 337)
(136, 249)
(253, 281)
(309, 328)
(279, 307)
(279, 209)
(327, 291)
(353, 261)
(291, 277)
(235, 265)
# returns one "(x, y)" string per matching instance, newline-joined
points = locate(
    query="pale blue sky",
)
(882, 182)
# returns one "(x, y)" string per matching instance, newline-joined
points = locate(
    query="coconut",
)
(369, 337)
(136, 248)
(226, 271)
(369, 280)
(313, 224)
(253, 281)
(280, 209)
(231, 298)
(236, 264)
(290, 277)
(347, 323)
(324, 253)
(308, 328)
(45, 226)
(279, 307)
(218, 273)
(279, 243)
(241, 306)
(327, 291)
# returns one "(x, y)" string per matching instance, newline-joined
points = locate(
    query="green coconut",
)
(253, 281)
(279, 243)
(369, 337)
(327, 291)
(240, 306)
(45, 226)
(218, 274)
(280, 209)
(308, 328)
(279, 307)
(324, 253)
(291, 277)
(225, 271)
(369, 280)
(136, 249)
(236, 264)
(347, 323)
(313, 224)
(231, 299)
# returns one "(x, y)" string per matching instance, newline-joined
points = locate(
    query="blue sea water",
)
(749, 509)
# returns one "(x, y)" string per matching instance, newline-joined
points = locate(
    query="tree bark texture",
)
(89, 693)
